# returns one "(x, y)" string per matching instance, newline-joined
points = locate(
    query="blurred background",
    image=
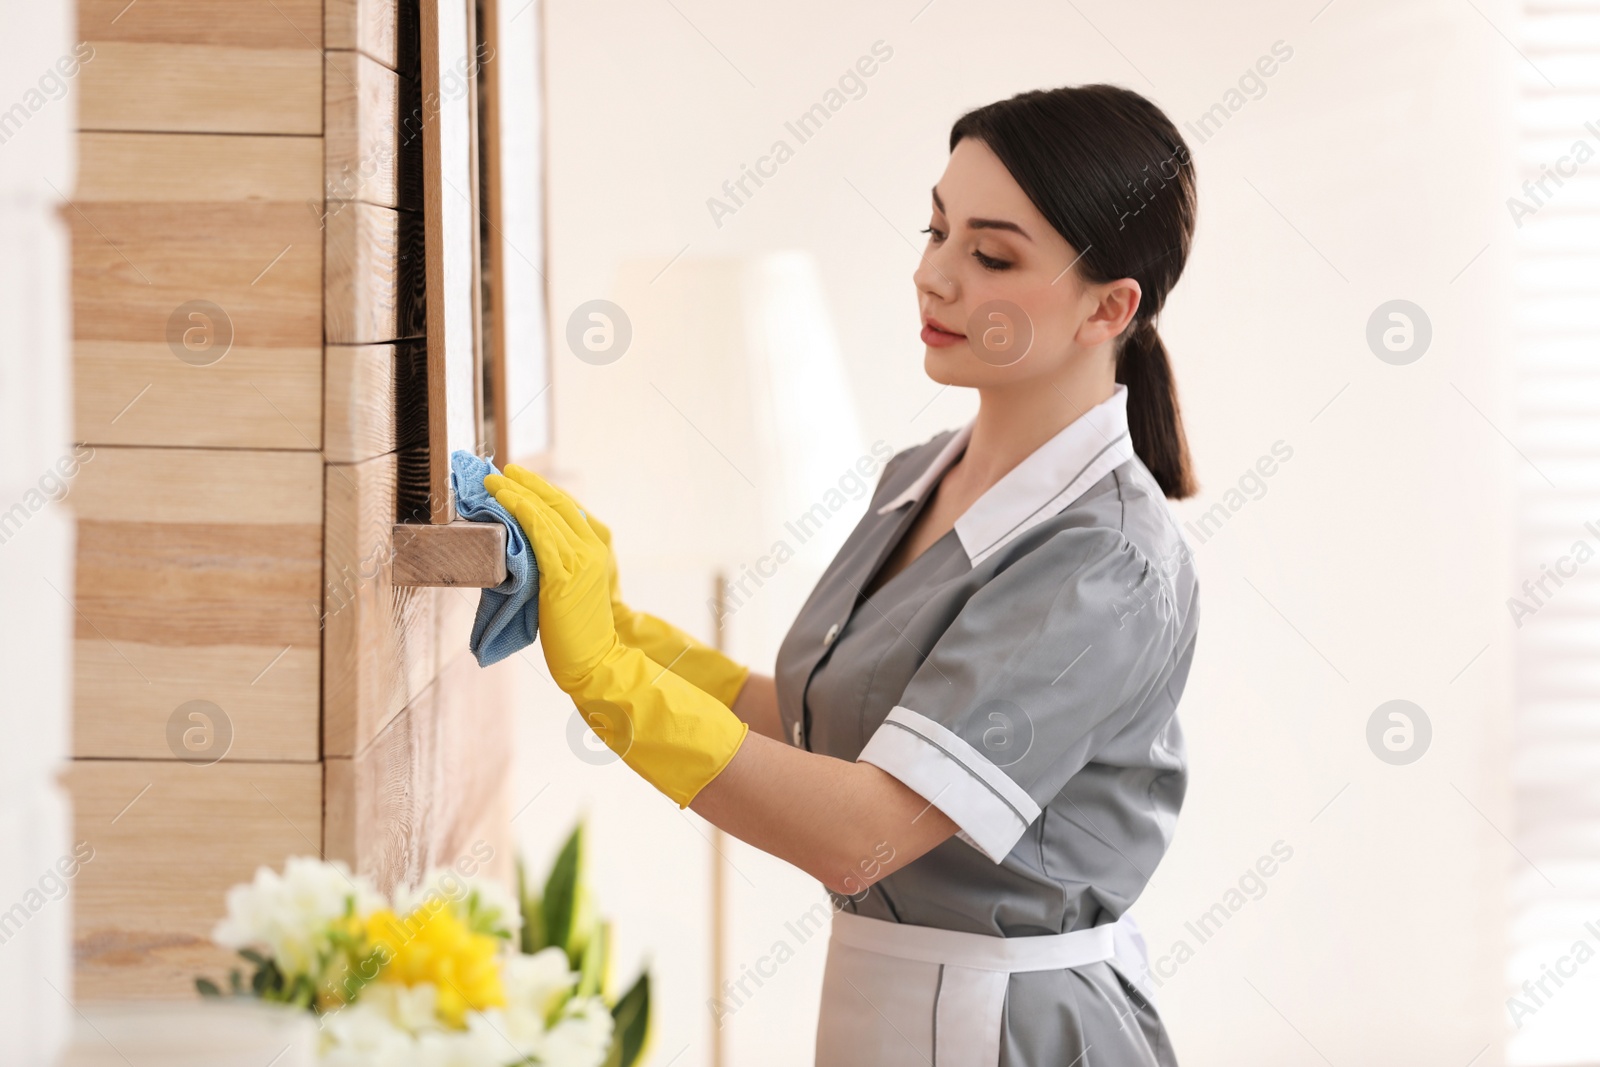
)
(1385, 348)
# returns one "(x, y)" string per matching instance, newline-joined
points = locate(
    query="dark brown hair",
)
(1111, 173)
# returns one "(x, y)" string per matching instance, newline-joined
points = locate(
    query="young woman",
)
(971, 734)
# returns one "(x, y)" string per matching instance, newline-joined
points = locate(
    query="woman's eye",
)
(933, 234)
(989, 262)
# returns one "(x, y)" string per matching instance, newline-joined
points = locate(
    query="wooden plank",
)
(362, 128)
(198, 577)
(482, 424)
(462, 553)
(199, 168)
(198, 584)
(168, 841)
(138, 393)
(199, 486)
(433, 787)
(514, 122)
(197, 265)
(126, 694)
(377, 638)
(453, 612)
(140, 271)
(201, 88)
(493, 343)
(294, 24)
(370, 400)
(372, 27)
(375, 275)
(451, 225)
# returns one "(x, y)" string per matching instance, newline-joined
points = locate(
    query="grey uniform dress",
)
(1023, 674)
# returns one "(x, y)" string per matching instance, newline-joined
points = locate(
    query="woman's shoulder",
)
(1126, 512)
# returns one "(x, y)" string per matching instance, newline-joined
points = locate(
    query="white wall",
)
(36, 532)
(1374, 567)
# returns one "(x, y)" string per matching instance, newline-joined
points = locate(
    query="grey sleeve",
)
(1041, 667)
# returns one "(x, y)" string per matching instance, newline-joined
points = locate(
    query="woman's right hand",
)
(694, 661)
(620, 612)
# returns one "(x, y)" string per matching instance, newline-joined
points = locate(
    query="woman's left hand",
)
(575, 623)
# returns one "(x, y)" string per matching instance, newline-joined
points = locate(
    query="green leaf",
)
(592, 967)
(302, 994)
(207, 987)
(561, 893)
(253, 956)
(236, 982)
(631, 1014)
(525, 904)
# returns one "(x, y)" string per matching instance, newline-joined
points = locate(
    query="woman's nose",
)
(930, 278)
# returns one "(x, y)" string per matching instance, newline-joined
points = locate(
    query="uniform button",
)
(796, 734)
(833, 631)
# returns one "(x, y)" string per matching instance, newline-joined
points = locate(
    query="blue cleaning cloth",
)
(508, 614)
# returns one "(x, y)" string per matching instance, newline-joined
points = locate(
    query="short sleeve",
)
(1040, 668)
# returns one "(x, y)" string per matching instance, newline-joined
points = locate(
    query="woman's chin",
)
(954, 365)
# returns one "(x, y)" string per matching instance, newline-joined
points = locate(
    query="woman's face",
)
(1000, 302)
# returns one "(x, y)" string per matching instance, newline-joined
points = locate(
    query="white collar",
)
(1035, 490)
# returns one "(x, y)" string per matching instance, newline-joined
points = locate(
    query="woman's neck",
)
(1012, 422)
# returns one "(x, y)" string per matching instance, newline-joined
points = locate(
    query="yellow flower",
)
(431, 945)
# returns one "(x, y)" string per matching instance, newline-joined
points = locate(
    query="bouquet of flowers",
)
(456, 972)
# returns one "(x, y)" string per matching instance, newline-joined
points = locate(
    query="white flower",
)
(582, 1037)
(362, 1035)
(535, 984)
(463, 1048)
(289, 914)
(412, 1008)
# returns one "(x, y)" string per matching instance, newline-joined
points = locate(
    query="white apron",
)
(896, 995)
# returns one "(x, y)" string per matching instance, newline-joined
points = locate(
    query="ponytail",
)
(1154, 420)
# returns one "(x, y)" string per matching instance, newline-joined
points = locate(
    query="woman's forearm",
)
(846, 824)
(757, 704)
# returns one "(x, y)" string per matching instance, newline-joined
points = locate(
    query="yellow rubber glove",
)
(674, 735)
(694, 661)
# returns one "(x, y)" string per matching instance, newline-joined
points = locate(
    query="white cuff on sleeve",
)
(956, 778)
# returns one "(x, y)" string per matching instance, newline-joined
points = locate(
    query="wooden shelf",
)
(461, 553)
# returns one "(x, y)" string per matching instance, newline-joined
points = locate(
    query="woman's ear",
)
(1115, 305)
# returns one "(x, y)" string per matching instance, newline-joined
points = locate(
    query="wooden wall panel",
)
(372, 396)
(199, 168)
(233, 220)
(221, 555)
(388, 641)
(135, 264)
(379, 635)
(139, 393)
(198, 578)
(362, 121)
(201, 88)
(375, 275)
(432, 784)
(169, 839)
(368, 26)
(294, 24)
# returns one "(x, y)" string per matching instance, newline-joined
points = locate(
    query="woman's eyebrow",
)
(982, 224)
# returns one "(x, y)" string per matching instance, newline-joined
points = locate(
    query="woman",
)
(970, 737)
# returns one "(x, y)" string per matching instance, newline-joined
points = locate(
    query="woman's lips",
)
(940, 338)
